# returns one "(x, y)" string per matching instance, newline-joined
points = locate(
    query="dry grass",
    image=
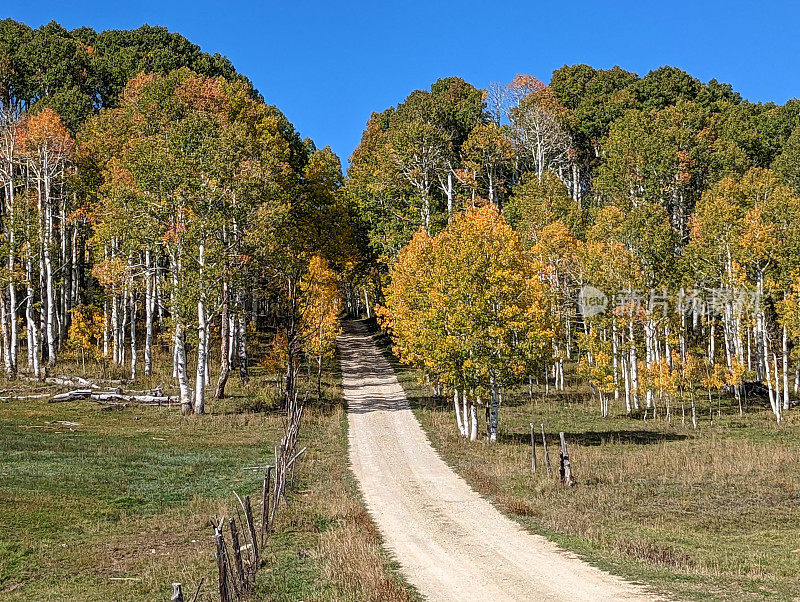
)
(706, 514)
(353, 557)
(711, 513)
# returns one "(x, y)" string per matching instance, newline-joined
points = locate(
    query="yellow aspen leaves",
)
(468, 306)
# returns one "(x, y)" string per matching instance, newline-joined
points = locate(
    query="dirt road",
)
(450, 542)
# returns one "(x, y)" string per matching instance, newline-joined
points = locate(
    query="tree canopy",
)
(661, 212)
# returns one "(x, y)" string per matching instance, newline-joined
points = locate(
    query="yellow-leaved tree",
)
(86, 331)
(321, 304)
(469, 308)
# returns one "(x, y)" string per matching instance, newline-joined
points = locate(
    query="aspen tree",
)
(321, 304)
(468, 307)
(47, 150)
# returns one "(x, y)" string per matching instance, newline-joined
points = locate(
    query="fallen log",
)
(77, 380)
(63, 381)
(140, 399)
(73, 381)
(71, 396)
(18, 397)
(107, 397)
(59, 381)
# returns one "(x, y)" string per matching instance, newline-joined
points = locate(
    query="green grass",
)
(706, 514)
(117, 507)
(124, 494)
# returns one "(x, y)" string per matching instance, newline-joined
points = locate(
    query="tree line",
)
(153, 201)
(657, 216)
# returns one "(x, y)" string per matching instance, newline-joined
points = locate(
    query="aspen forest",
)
(142, 209)
(529, 337)
(671, 202)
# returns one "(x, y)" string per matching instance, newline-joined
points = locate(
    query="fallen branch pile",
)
(70, 381)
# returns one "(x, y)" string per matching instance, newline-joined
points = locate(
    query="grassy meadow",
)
(706, 514)
(115, 505)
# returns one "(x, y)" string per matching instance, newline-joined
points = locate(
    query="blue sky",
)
(328, 65)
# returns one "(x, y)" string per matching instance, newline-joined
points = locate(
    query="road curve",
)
(450, 542)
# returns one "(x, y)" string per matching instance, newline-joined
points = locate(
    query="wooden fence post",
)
(566, 467)
(533, 450)
(222, 564)
(237, 553)
(546, 453)
(265, 504)
(248, 514)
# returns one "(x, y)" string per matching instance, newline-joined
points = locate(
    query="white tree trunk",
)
(50, 288)
(149, 306)
(473, 415)
(106, 326)
(6, 332)
(493, 413)
(233, 335)
(62, 317)
(773, 397)
(30, 318)
(12, 309)
(786, 402)
(615, 361)
(74, 268)
(796, 379)
(122, 323)
(180, 367)
(465, 412)
(202, 342)
(133, 335)
(634, 370)
(450, 192)
(241, 337)
(461, 430)
(627, 382)
(114, 328)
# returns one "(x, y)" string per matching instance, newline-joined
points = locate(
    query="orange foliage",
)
(109, 272)
(133, 90)
(45, 131)
(204, 94)
(524, 85)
